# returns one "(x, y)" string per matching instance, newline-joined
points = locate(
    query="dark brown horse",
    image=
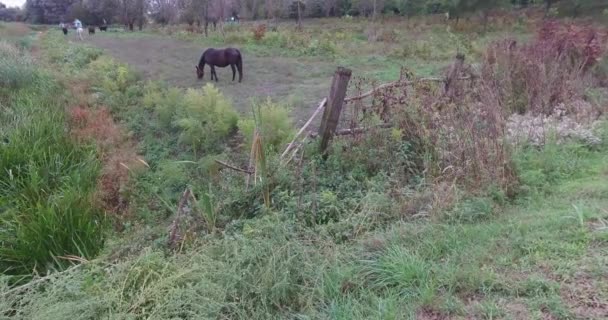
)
(220, 58)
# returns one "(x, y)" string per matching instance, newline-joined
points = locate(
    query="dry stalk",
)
(174, 233)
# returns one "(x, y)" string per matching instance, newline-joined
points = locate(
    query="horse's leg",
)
(239, 66)
(214, 74)
(233, 71)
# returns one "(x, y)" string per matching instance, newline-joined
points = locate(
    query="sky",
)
(13, 3)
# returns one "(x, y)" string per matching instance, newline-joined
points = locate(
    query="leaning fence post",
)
(331, 115)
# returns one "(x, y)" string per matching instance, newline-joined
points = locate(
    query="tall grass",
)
(46, 207)
(16, 68)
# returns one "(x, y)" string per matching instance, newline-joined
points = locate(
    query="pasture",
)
(295, 68)
(300, 81)
(149, 194)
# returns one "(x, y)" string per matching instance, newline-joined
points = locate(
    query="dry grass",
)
(117, 153)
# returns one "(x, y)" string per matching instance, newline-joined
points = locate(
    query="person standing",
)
(78, 26)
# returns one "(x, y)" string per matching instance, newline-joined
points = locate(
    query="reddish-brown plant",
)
(259, 32)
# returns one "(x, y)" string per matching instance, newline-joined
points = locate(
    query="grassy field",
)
(296, 67)
(443, 216)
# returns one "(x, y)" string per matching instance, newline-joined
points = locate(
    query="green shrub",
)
(79, 56)
(172, 177)
(16, 67)
(274, 123)
(165, 102)
(113, 76)
(205, 119)
(115, 83)
(323, 46)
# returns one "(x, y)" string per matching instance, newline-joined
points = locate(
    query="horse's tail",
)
(239, 65)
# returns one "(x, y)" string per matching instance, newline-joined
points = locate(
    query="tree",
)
(576, 8)
(163, 11)
(369, 7)
(10, 14)
(296, 8)
(93, 12)
(330, 7)
(132, 12)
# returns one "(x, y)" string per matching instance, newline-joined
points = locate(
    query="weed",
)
(206, 119)
(275, 125)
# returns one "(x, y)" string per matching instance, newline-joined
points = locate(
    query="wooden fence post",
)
(331, 115)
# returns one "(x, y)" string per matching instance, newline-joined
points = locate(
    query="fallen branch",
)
(314, 115)
(398, 83)
(371, 92)
(294, 152)
(345, 132)
(233, 167)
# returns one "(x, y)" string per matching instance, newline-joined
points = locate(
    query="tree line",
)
(10, 13)
(133, 13)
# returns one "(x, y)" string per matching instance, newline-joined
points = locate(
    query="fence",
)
(342, 115)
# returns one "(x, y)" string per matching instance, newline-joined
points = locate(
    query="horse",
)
(220, 58)
(91, 30)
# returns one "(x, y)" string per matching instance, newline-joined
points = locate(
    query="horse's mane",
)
(202, 60)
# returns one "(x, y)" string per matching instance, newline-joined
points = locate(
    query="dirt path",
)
(298, 82)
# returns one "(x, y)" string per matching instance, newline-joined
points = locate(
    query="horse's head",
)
(200, 72)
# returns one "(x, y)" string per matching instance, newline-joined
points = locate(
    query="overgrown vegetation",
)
(47, 210)
(432, 210)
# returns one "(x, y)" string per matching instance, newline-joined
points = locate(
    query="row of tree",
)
(10, 14)
(137, 12)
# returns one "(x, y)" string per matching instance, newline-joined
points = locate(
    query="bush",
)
(115, 83)
(550, 70)
(80, 56)
(16, 67)
(165, 102)
(323, 46)
(205, 119)
(274, 123)
(259, 32)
